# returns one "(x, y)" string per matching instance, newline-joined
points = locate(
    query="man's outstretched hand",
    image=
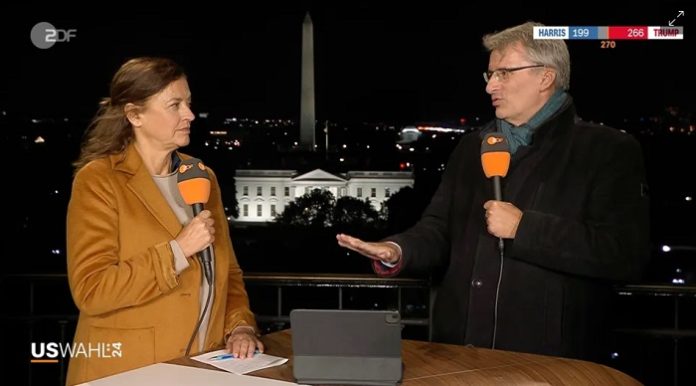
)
(386, 252)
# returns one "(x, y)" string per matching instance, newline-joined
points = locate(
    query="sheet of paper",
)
(224, 360)
(175, 375)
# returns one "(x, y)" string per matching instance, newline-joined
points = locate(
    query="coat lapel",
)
(144, 188)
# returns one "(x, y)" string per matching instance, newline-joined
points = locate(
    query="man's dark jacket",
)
(581, 188)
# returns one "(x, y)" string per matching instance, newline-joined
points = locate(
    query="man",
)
(574, 217)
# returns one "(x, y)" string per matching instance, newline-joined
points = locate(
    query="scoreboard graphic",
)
(610, 32)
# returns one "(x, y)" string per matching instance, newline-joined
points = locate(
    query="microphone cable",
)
(211, 288)
(497, 293)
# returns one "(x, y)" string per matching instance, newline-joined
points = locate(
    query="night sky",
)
(392, 63)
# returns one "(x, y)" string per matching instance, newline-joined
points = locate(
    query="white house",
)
(262, 194)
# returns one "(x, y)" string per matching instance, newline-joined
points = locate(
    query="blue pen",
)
(220, 357)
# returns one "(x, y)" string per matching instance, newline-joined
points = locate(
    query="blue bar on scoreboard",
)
(583, 33)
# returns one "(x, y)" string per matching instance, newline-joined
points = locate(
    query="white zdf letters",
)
(59, 35)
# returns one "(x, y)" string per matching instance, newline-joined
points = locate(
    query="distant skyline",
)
(373, 62)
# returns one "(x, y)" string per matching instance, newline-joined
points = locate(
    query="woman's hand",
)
(197, 234)
(242, 343)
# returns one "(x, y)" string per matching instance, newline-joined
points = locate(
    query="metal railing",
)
(677, 331)
(341, 282)
(21, 311)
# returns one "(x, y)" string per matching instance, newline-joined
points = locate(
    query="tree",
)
(353, 213)
(313, 209)
(229, 197)
(402, 210)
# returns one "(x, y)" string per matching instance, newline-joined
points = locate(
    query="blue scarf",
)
(522, 135)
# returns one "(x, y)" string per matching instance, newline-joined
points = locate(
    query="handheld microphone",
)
(193, 181)
(495, 159)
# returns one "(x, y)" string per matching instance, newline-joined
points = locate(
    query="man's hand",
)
(386, 252)
(502, 218)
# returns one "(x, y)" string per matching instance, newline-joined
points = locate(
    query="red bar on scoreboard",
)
(628, 33)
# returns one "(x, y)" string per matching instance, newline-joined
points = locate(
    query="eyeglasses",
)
(502, 74)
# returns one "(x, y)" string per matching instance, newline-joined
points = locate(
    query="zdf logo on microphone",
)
(44, 35)
(492, 140)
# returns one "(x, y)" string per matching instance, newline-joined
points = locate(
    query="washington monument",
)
(307, 113)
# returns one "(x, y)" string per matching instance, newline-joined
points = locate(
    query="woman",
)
(132, 241)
